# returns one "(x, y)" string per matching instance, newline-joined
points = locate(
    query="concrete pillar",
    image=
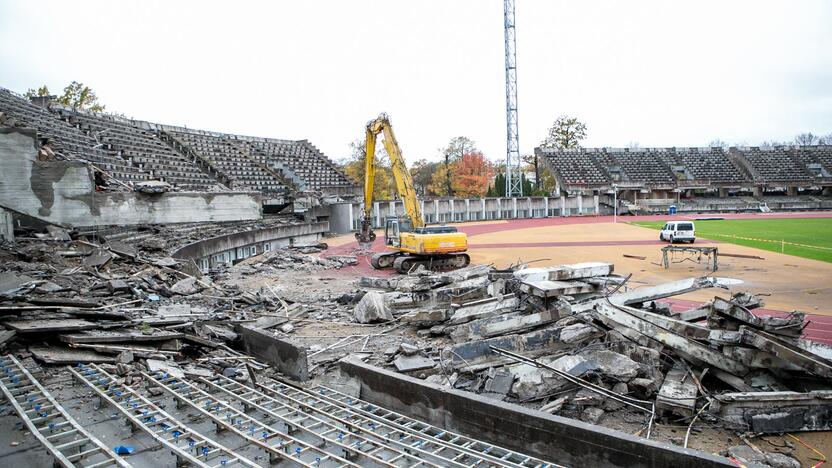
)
(546, 206)
(597, 205)
(467, 210)
(580, 204)
(758, 191)
(377, 208)
(514, 207)
(6, 225)
(723, 192)
(499, 208)
(791, 191)
(352, 216)
(562, 205)
(483, 208)
(452, 209)
(422, 206)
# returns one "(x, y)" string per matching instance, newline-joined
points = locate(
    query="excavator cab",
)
(393, 229)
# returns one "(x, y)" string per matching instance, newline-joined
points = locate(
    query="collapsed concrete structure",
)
(144, 270)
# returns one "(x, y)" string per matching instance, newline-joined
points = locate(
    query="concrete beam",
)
(776, 412)
(560, 440)
(287, 358)
(671, 339)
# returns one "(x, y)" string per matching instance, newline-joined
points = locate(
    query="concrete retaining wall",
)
(63, 192)
(231, 247)
(560, 440)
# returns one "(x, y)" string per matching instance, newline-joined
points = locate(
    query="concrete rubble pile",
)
(68, 298)
(574, 340)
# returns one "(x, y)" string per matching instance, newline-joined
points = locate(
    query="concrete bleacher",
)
(134, 150)
(142, 148)
(773, 165)
(301, 162)
(66, 139)
(642, 165)
(575, 168)
(708, 165)
(655, 169)
(231, 158)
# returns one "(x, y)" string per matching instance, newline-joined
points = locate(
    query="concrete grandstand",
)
(190, 160)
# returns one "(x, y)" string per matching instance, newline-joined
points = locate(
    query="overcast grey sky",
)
(658, 73)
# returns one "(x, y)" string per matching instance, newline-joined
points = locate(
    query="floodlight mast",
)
(514, 185)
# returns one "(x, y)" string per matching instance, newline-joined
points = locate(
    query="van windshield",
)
(684, 227)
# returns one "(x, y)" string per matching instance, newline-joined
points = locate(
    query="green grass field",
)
(803, 237)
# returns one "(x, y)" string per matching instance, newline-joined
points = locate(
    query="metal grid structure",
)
(269, 430)
(65, 439)
(188, 445)
(430, 443)
(514, 174)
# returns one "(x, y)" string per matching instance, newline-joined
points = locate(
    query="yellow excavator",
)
(408, 241)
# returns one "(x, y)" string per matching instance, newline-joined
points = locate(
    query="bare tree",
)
(806, 139)
(717, 143)
(825, 140)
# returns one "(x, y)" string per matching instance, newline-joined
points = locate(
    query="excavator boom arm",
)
(404, 182)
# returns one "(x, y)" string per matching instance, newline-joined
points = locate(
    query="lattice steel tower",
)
(514, 185)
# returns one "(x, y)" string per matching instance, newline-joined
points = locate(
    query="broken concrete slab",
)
(412, 363)
(520, 323)
(372, 308)
(660, 291)
(287, 358)
(547, 288)
(186, 287)
(752, 458)
(477, 354)
(786, 351)
(425, 317)
(673, 340)
(124, 249)
(174, 310)
(135, 336)
(731, 316)
(168, 367)
(11, 282)
(483, 308)
(532, 382)
(678, 392)
(49, 326)
(565, 272)
(776, 412)
(578, 332)
(611, 364)
(54, 355)
(98, 258)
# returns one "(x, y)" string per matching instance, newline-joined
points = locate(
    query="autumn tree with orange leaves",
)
(471, 175)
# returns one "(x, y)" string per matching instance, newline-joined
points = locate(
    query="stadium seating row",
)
(188, 159)
(582, 168)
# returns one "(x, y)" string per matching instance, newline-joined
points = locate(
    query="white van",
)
(678, 231)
